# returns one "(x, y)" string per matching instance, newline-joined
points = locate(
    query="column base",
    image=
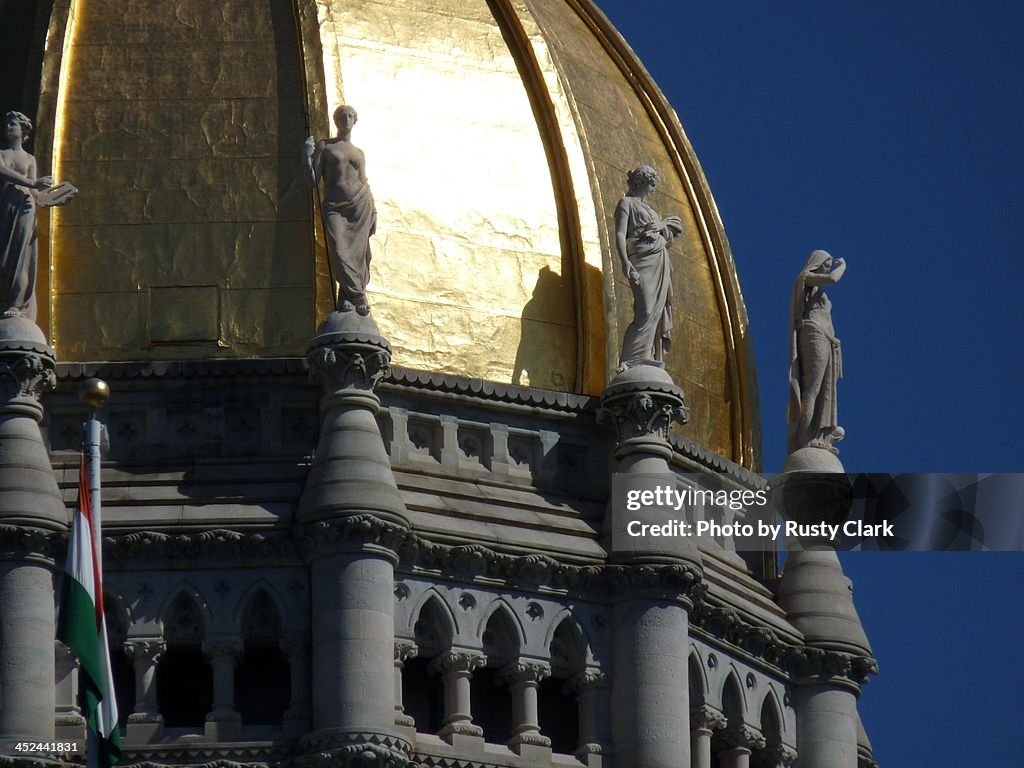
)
(464, 736)
(533, 751)
(226, 727)
(69, 727)
(144, 728)
(593, 756)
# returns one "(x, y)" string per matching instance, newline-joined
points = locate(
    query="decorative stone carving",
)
(588, 679)
(742, 737)
(637, 407)
(815, 358)
(21, 191)
(522, 670)
(334, 747)
(358, 364)
(642, 239)
(349, 214)
(778, 756)
(707, 718)
(30, 374)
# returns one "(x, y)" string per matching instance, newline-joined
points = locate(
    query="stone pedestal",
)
(352, 522)
(654, 579)
(33, 528)
(818, 600)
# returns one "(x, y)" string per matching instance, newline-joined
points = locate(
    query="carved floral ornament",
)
(26, 374)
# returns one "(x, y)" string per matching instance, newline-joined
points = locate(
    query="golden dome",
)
(497, 135)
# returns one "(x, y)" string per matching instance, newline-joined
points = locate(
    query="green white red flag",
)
(83, 629)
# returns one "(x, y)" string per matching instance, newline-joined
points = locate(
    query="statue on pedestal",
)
(349, 215)
(642, 239)
(21, 191)
(815, 359)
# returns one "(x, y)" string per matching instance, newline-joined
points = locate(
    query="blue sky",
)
(891, 135)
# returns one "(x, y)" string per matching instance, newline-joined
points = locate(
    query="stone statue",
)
(815, 359)
(642, 238)
(349, 215)
(21, 191)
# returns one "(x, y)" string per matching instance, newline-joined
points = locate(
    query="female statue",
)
(349, 215)
(20, 191)
(815, 358)
(642, 238)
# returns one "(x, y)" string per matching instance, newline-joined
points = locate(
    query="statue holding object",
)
(22, 190)
(815, 358)
(642, 239)
(347, 207)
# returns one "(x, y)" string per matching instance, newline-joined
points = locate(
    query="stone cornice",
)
(474, 561)
(19, 542)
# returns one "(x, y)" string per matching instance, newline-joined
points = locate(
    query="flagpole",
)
(94, 394)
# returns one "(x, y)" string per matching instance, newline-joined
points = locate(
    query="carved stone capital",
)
(587, 680)
(405, 650)
(819, 665)
(707, 718)
(32, 544)
(27, 371)
(355, 532)
(524, 671)
(742, 737)
(458, 662)
(149, 648)
(228, 647)
(638, 408)
(348, 353)
(295, 646)
(778, 756)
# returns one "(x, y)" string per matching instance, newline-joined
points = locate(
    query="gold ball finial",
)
(94, 393)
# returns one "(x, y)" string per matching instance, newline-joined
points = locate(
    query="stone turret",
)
(818, 600)
(351, 521)
(650, 691)
(33, 525)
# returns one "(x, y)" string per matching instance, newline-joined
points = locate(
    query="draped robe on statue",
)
(816, 364)
(650, 333)
(18, 251)
(349, 224)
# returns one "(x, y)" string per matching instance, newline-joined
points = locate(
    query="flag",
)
(83, 628)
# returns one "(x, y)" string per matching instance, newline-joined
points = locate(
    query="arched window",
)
(262, 677)
(492, 699)
(184, 678)
(557, 709)
(422, 688)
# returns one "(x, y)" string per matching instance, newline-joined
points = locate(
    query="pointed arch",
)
(242, 605)
(503, 605)
(771, 719)
(698, 681)
(184, 615)
(567, 647)
(433, 624)
(734, 704)
(502, 637)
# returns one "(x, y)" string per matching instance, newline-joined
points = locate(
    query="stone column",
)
(523, 677)
(145, 723)
(704, 721)
(404, 649)
(223, 723)
(297, 716)
(456, 668)
(351, 524)
(740, 742)
(33, 529)
(653, 579)
(591, 689)
(70, 722)
(818, 600)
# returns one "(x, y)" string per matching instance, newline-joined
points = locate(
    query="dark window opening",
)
(184, 687)
(123, 673)
(423, 695)
(263, 685)
(559, 715)
(492, 705)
